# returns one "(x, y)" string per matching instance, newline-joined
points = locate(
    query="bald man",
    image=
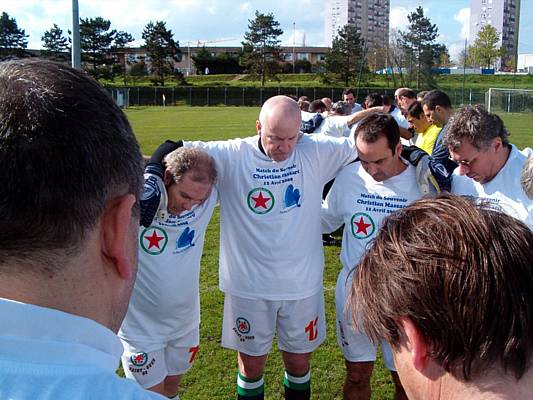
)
(271, 258)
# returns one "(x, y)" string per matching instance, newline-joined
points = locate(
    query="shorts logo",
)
(139, 359)
(153, 240)
(260, 200)
(362, 225)
(242, 328)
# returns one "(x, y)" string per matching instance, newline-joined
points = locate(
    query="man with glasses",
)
(489, 166)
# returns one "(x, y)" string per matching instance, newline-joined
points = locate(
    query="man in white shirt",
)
(71, 172)
(489, 166)
(349, 97)
(526, 179)
(160, 332)
(271, 258)
(363, 194)
(449, 284)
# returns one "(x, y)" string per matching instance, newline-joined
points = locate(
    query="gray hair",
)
(477, 125)
(196, 162)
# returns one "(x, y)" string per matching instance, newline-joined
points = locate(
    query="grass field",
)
(213, 375)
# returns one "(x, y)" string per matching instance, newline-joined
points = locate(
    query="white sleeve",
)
(330, 217)
(334, 154)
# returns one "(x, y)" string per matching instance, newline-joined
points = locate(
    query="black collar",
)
(260, 145)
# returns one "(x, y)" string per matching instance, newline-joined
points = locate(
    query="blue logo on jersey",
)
(185, 239)
(292, 196)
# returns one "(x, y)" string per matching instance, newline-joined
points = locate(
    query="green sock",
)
(297, 387)
(250, 389)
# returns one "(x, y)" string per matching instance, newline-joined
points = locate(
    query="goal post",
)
(499, 100)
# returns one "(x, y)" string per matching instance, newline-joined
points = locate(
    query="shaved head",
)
(279, 127)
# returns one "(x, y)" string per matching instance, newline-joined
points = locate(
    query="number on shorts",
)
(312, 329)
(193, 351)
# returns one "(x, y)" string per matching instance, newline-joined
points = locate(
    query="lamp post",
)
(76, 58)
(293, 46)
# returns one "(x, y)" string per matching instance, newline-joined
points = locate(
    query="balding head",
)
(279, 127)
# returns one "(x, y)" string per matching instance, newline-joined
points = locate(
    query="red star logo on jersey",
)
(261, 201)
(153, 240)
(362, 226)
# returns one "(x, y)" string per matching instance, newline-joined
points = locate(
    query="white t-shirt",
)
(270, 232)
(396, 113)
(49, 354)
(165, 301)
(361, 203)
(336, 126)
(504, 190)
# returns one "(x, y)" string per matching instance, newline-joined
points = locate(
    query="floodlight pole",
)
(76, 54)
(293, 46)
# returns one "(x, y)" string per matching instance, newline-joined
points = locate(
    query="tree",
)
(55, 45)
(418, 43)
(484, 50)
(162, 49)
(13, 40)
(261, 46)
(95, 42)
(203, 59)
(121, 41)
(441, 56)
(346, 56)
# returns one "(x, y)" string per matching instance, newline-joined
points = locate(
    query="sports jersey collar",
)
(43, 335)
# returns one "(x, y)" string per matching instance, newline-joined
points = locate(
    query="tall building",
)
(504, 15)
(370, 17)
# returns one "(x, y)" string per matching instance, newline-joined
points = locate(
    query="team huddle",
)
(436, 216)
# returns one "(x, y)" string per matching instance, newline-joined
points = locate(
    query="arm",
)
(154, 192)
(359, 115)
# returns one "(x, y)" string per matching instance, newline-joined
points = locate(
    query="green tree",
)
(122, 39)
(55, 45)
(96, 39)
(13, 40)
(162, 49)
(418, 42)
(346, 57)
(261, 46)
(485, 51)
(441, 56)
(203, 59)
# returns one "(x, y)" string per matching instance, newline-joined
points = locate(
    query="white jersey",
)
(504, 191)
(336, 126)
(270, 233)
(165, 301)
(361, 203)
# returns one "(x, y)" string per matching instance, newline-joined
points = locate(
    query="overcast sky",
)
(223, 22)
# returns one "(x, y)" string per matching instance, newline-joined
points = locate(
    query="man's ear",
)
(415, 344)
(258, 127)
(117, 235)
(167, 178)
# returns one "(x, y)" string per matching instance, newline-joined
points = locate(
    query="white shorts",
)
(355, 345)
(249, 325)
(150, 363)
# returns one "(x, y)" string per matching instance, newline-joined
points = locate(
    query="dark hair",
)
(373, 100)
(415, 110)
(436, 98)
(341, 108)
(476, 125)
(304, 105)
(348, 91)
(317, 106)
(65, 150)
(461, 272)
(376, 125)
(422, 94)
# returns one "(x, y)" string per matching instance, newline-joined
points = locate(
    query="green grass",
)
(213, 375)
(443, 82)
